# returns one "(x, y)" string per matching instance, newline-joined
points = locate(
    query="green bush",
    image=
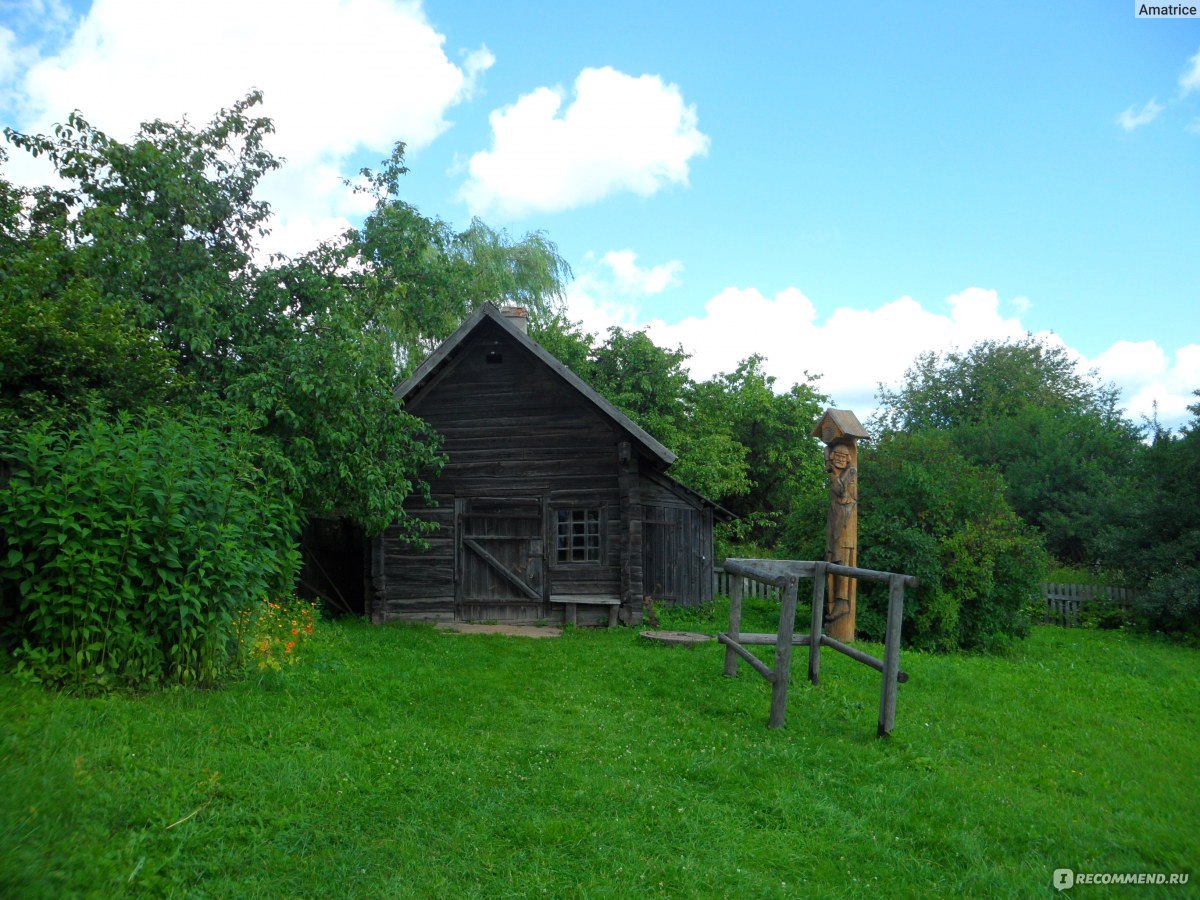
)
(1171, 603)
(926, 511)
(131, 545)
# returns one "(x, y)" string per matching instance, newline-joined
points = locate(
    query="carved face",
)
(840, 457)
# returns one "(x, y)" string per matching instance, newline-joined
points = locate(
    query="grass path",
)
(402, 761)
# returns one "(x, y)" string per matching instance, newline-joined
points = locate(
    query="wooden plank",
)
(755, 663)
(891, 656)
(817, 631)
(500, 570)
(585, 599)
(783, 655)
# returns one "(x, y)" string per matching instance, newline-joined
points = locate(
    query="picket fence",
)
(722, 582)
(1063, 601)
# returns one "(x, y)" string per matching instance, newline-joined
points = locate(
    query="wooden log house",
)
(553, 505)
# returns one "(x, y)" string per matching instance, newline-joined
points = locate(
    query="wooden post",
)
(818, 623)
(783, 654)
(841, 431)
(891, 655)
(735, 623)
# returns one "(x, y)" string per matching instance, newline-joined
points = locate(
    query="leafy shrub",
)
(130, 547)
(926, 511)
(1171, 603)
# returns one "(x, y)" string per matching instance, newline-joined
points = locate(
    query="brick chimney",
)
(519, 316)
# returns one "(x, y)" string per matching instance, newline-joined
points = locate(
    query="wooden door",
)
(501, 559)
(675, 555)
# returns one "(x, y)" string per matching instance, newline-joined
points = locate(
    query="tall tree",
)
(784, 464)
(1054, 432)
(422, 278)
(1159, 548)
(163, 229)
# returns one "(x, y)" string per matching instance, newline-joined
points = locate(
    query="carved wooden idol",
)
(841, 431)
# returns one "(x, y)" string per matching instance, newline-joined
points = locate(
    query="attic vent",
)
(494, 357)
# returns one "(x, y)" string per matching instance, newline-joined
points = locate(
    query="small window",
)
(494, 357)
(579, 535)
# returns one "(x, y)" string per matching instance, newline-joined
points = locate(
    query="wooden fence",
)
(1064, 601)
(723, 584)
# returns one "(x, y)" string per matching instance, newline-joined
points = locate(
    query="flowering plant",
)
(270, 632)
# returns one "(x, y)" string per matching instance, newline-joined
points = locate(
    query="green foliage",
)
(992, 380)
(165, 223)
(131, 545)
(784, 465)
(928, 512)
(65, 347)
(1160, 544)
(421, 278)
(1055, 434)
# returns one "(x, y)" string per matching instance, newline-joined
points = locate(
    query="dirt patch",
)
(532, 631)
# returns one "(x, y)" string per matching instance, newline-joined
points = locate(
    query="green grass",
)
(401, 761)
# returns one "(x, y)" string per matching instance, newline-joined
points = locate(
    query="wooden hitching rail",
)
(786, 574)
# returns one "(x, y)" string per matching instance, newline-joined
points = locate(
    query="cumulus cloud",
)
(855, 349)
(1131, 118)
(1148, 376)
(619, 133)
(339, 77)
(630, 278)
(609, 291)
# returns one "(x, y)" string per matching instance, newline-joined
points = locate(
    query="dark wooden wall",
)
(678, 545)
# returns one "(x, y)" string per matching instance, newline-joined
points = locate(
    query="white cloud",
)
(630, 278)
(855, 349)
(609, 291)
(1190, 80)
(1131, 119)
(339, 77)
(620, 133)
(1147, 375)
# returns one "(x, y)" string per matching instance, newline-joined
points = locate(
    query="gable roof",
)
(489, 313)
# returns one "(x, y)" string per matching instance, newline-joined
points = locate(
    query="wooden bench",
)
(571, 601)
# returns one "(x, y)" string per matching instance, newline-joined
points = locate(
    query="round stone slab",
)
(677, 638)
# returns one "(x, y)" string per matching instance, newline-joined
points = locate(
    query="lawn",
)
(403, 761)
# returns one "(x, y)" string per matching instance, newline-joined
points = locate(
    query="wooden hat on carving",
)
(839, 426)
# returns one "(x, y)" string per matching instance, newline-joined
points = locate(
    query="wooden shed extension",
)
(551, 500)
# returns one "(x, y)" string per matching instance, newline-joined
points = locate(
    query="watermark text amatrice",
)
(1068, 878)
(1169, 11)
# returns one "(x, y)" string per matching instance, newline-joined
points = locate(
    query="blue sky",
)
(836, 186)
